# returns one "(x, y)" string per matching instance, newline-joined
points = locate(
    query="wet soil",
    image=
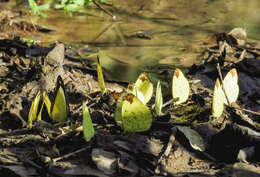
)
(59, 149)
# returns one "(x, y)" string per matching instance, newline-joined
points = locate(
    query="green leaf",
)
(47, 102)
(59, 109)
(39, 117)
(136, 117)
(71, 7)
(196, 141)
(34, 109)
(34, 7)
(144, 88)
(158, 99)
(44, 7)
(118, 113)
(59, 6)
(101, 81)
(88, 129)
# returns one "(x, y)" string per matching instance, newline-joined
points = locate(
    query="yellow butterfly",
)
(158, 99)
(230, 84)
(218, 100)
(142, 88)
(180, 87)
(136, 116)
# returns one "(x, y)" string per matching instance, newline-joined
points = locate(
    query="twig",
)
(75, 131)
(107, 12)
(169, 145)
(165, 104)
(246, 110)
(70, 154)
(222, 85)
(168, 103)
(16, 132)
(167, 151)
(102, 32)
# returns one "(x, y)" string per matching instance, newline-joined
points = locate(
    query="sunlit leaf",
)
(35, 8)
(88, 129)
(180, 87)
(118, 113)
(47, 102)
(195, 140)
(140, 96)
(101, 81)
(218, 100)
(135, 91)
(144, 88)
(44, 7)
(136, 117)
(230, 84)
(39, 117)
(34, 109)
(59, 107)
(158, 99)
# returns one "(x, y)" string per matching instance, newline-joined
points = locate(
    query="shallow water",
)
(176, 29)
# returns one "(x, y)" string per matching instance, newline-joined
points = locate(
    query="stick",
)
(70, 154)
(107, 12)
(167, 150)
(102, 32)
(221, 80)
(246, 110)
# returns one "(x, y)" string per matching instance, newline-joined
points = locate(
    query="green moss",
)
(188, 113)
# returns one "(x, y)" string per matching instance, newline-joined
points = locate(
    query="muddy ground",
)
(232, 143)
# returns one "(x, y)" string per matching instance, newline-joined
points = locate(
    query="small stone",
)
(126, 162)
(246, 154)
(240, 35)
(105, 161)
(56, 55)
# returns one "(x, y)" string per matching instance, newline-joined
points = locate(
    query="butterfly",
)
(180, 87)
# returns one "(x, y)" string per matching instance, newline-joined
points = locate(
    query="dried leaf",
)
(195, 140)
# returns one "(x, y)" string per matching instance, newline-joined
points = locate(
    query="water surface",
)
(174, 31)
